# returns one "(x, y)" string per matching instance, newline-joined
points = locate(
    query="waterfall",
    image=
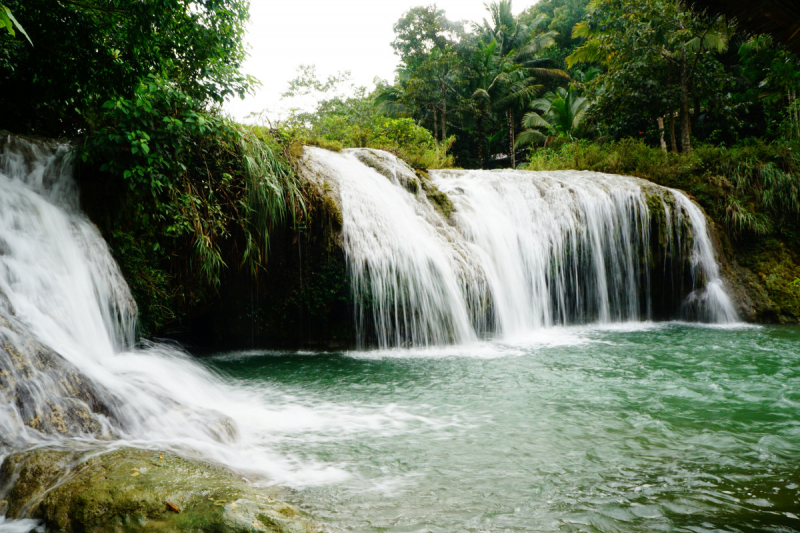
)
(450, 257)
(69, 367)
(70, 374)
(457, 255)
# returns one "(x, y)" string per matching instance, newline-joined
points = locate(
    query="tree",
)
(647, 40)
(773, 75)
(421, 30)
(519, 65)
(57, 86)
(561, 113)
(477, 100)
(428, 45)
(509, 32)
(509, 93)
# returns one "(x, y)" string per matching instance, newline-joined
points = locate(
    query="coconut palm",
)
(517, 66)
(559, 113)
(507, 30)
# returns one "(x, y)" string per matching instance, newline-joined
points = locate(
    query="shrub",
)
(201, 192)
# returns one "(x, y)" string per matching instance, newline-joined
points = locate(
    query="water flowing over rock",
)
(71, 378)
(452, 256)
(446, 257)
(52, 260)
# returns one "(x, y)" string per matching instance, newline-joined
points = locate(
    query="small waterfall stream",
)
(70, 374)
(519, 251)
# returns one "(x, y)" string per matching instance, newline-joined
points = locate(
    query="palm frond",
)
(534, 120)
(593, 51)
(528, 137)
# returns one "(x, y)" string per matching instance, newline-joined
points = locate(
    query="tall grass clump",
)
(273, 193)
(193, 194)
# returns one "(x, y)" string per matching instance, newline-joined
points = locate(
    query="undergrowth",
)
(185, 194)
(754, 189)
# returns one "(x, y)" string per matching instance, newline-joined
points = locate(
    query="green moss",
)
(368, 158)
(327, 144)
(334, 212)
(776, 266)
(135, 491)
(439, 199)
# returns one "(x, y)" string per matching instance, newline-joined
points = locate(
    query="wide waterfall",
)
(453, 256)
(450, 257)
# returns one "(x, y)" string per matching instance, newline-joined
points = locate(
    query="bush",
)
(753, 189)
(201, 192)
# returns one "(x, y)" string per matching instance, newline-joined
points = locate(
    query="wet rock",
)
(136, 490)
(42, 390)
(751, 300)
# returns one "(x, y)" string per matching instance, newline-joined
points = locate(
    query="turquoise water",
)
(644, 427)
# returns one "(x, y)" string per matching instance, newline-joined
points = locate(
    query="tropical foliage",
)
(357, 121)
(182, 193)
(653, 70)
(559, 114)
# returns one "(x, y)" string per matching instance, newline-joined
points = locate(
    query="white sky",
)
(352, 35)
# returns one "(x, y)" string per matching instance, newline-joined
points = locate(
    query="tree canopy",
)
(86, 52)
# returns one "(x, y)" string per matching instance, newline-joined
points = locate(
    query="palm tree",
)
(389, 100)
(518, 65)
(509, 93)
(559, 113)
(476, 100)
(507, 30)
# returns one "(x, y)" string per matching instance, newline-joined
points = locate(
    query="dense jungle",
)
(546, 278)
(189, 199)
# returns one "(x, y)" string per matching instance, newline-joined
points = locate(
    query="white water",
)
(66, 292)
(522, 251)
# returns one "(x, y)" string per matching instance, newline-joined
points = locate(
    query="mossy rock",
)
(440, 201)
(389, 166)
(132, 490)
(777, 269)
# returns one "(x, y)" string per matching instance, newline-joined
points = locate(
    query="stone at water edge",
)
(99, 494)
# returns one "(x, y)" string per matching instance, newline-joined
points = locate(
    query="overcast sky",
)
(352, 35)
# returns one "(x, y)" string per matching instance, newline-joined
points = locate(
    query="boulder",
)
(136, 490)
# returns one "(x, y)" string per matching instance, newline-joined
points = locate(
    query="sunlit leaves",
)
(8, 22)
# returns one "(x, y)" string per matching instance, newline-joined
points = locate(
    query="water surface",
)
(639, 427)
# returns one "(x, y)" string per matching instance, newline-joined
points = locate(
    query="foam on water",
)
(20, 526)
(64, 287)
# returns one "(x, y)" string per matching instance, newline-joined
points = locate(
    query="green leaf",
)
(17, 24)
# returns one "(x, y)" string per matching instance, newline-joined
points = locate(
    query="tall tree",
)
(641, 40)
(520, 66)
(86, 52)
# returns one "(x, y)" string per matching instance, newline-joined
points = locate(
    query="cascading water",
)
(500, 253)
(69, 373)
(520, 251)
